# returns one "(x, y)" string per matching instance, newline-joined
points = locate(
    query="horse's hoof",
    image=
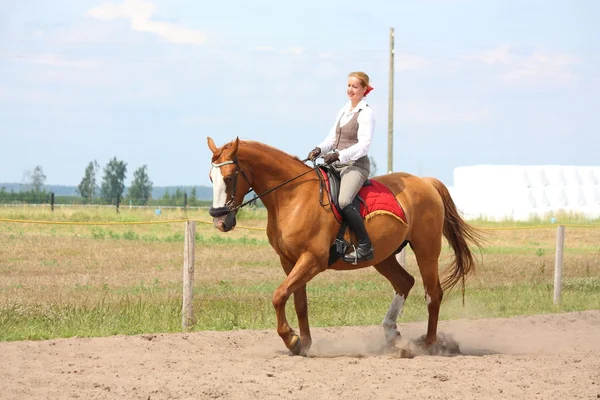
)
(391, 336)
(295, 345)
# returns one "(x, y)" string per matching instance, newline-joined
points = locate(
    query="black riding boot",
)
(364, 251)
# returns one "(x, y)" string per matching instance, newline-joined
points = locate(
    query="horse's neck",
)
(271, 168)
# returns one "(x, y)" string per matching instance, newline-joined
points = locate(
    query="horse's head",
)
(228, 190)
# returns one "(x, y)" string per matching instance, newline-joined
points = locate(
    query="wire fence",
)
(190, 234)
(171, 221)
(178, 199)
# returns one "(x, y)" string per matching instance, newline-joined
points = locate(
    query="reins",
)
(270, 190)
(221, 210)
(258, 196)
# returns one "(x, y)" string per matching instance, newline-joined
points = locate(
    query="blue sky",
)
(476, 82)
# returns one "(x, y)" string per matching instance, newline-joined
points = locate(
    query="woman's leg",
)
(352, 180)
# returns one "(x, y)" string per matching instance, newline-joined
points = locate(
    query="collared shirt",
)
(366, 128)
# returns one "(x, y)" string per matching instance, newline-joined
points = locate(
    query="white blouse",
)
(366, 128)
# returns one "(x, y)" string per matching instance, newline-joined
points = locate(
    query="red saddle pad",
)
(377, 197)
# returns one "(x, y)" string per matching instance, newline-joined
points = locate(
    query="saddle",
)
(333, 179)
(373, 198)
(332, 185)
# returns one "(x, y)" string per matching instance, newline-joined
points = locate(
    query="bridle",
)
(230, 204)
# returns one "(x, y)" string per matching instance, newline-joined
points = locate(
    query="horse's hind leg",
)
(427, 253)
(402, 282)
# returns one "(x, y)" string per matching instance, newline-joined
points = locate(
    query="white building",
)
(499, 192)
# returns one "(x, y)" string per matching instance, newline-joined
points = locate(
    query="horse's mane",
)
(266, 147)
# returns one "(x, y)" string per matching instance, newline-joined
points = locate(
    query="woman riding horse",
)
(302, 229)
(350, 139)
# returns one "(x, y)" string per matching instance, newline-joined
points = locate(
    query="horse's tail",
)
(458, 233)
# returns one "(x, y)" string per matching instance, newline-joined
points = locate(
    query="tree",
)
(141, 187)
(166, 199)
(35, 179)
(113, 182)
(193, 200)
(373, 167)
(177, 197)
(38, 179)
(87, 187)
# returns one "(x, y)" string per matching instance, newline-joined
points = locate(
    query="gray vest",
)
(347, 135)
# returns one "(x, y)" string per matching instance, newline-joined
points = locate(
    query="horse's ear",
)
(211, 145)
(235, 146)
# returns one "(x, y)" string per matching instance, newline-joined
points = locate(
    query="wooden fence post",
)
(52, 201)
(187, 311)
(558, 261)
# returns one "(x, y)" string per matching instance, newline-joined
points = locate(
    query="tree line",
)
(108, 189)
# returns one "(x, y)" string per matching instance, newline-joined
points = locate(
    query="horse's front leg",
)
(306, 268)
(301, 305)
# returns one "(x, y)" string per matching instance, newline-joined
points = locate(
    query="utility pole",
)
(391, 106)
(400, 257)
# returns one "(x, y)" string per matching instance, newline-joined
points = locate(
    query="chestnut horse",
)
(302, 230)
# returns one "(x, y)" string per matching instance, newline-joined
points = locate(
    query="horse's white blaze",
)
(389, 321)
(219, 188)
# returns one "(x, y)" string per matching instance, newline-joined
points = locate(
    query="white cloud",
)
(546, 65)
(264, 48)
(515, 65)
(408, 62)
(295, 50)
(140, 13)
(55, 60)
(437, 113)
(499, 55)
(202, 120)
(129, 9)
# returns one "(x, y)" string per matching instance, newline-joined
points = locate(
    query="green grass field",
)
(95, 280)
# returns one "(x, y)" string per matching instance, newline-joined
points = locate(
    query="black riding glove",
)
(314, 153)
(330, 158)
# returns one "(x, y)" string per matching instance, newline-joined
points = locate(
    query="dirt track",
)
(545, 357)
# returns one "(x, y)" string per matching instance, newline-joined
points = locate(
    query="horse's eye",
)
(227, 180)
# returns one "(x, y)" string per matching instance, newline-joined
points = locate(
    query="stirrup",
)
(354, 259)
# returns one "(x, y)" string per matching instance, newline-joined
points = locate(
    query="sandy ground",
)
(539, 357)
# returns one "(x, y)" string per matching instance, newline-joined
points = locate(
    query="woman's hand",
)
(330, 158)
(314, 153)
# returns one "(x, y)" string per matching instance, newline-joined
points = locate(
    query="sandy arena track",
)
(539, 357)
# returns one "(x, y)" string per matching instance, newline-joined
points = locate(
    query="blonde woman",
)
(345, 148)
